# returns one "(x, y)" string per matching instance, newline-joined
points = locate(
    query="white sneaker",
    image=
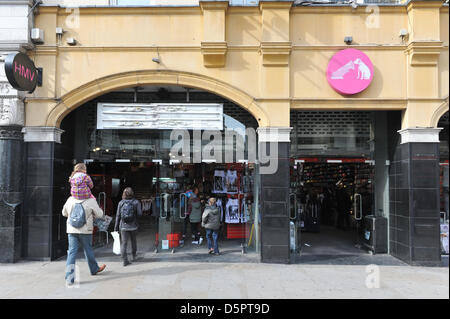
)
(195, 242)
(201, 241)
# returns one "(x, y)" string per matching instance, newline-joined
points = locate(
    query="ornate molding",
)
(424, 53)
(11, 133)
(275, 53)
(214, 54)
(11, 111)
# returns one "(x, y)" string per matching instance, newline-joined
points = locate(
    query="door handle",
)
(356, 207)
(183, 211)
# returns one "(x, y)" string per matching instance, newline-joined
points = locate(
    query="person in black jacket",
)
(128, 210)
(344, 205)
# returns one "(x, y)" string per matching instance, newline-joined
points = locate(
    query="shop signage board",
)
(350, 71)
(21, 72)
(160, 116)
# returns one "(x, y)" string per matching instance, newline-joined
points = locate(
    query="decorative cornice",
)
(427, 4)
(42, 134)
(213, 5)
(420, 135)
(274, 134)
(273, 4)
(11, 133)
(424, 53)
(275, 53)
(214, 54)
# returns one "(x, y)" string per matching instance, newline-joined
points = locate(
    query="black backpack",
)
(127, 211)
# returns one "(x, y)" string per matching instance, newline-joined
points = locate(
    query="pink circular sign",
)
(350, 71)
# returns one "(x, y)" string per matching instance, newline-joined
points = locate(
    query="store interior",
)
(162, 191)
(329, 202)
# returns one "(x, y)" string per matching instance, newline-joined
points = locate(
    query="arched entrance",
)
(77, 97)
(140, 158)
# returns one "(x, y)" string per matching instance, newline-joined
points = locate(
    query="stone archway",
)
(84, 93)
(438, 113)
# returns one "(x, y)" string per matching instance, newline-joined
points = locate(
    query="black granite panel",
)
(425, 174)
(38, 201)
(279, 209)
(402, 177)
(403, 252)
(38, 229)
(39, 172)
(426, 233)
(275, 194)
(37, 251)
(40, 150)
(279, 179)
(275, 254)
(402, 203)
(424, 151)
(426, 255)
(425, 203)
(10, 247)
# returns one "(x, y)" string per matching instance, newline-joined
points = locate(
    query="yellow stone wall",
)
(268, 59)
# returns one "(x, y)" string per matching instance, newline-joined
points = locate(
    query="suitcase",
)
(312, 220)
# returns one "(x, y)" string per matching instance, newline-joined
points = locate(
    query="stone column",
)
(11, 168)
(275, 195)
(414, 198)
(40, 218)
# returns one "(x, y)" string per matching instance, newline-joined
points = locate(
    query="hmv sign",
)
(350, 71)
(21, 72)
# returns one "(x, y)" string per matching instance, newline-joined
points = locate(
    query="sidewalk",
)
(168, 276)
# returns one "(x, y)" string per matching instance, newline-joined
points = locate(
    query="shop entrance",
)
(164, 192)
(330, 202)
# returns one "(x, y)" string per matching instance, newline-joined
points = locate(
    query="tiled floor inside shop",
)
(230, 249)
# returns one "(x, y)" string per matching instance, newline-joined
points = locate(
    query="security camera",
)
(403, 33)
(156, 60)
(348, 40)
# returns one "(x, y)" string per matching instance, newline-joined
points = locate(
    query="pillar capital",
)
(274, 134)
(420, 135)
(42, 134)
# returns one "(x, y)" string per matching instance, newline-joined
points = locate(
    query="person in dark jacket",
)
(128, 210)
(195, 216)
(344, 205)
(211, 222)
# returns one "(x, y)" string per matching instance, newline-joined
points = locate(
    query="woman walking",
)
(211, 222)
(128, 210)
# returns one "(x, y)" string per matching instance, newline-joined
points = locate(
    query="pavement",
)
(193, 274)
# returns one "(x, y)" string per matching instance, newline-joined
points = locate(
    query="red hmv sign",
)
(21, 72)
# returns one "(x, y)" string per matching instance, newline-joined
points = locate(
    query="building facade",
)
(270, 59)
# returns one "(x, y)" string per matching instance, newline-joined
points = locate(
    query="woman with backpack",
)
(128, 210)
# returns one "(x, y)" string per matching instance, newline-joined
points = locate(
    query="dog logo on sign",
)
(350, 71)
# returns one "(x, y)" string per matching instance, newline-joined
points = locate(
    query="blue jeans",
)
(75, 241)
(212, 237)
